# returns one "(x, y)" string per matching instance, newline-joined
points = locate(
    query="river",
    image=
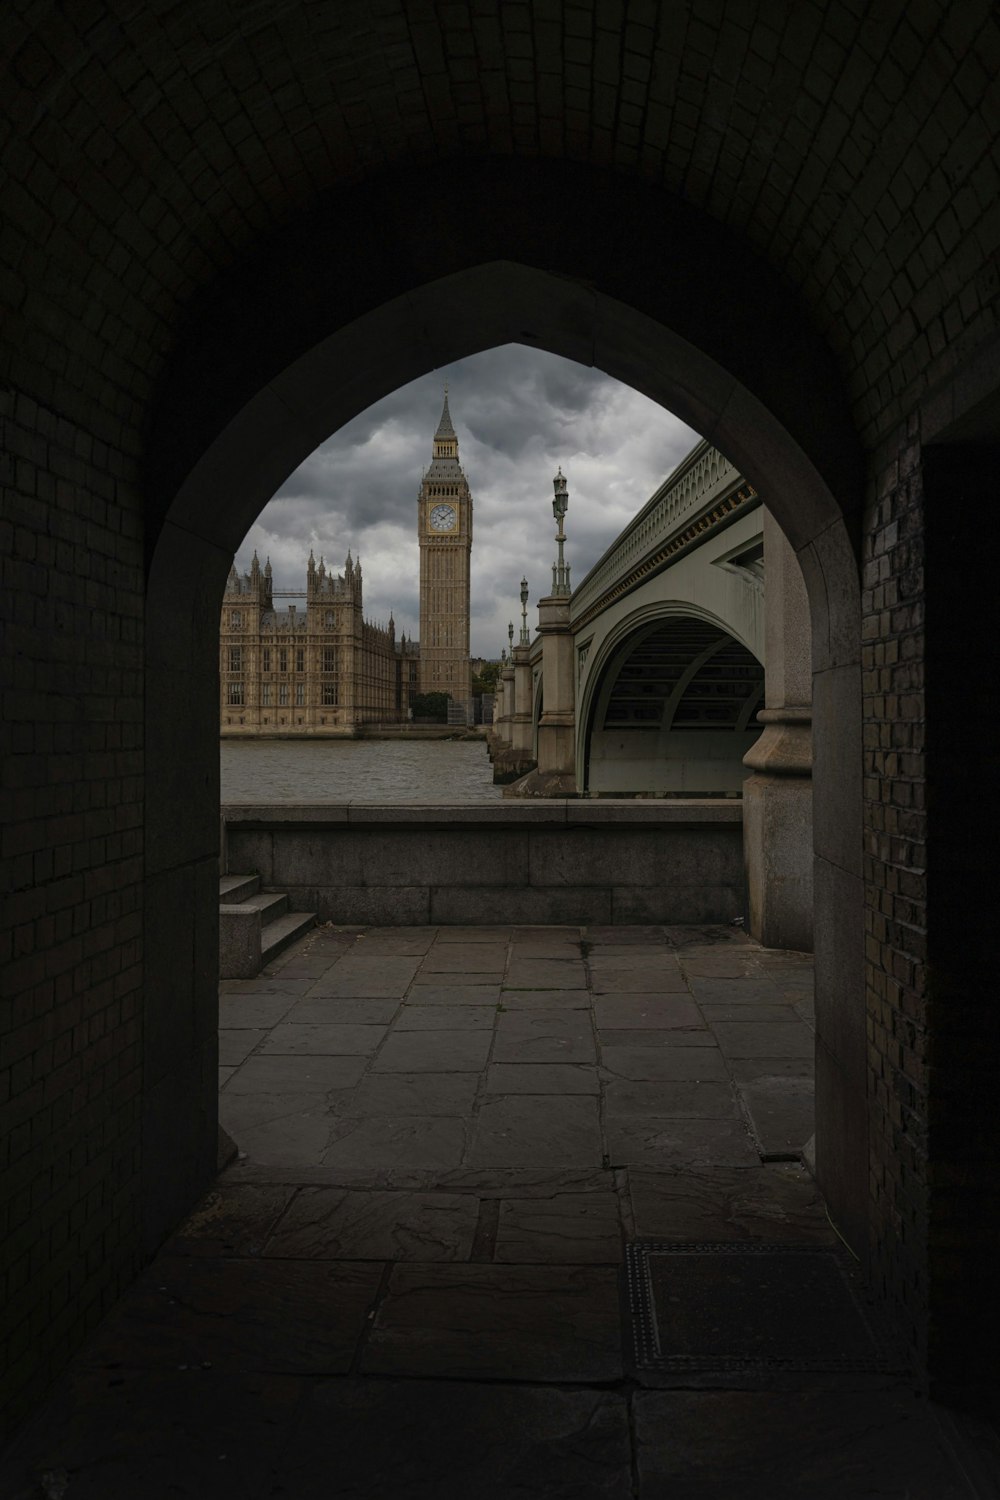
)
(268, 771)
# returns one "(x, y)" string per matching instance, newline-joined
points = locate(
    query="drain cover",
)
(745, 1307)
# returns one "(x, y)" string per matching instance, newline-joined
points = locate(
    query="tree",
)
(433, 706)
(486, 680)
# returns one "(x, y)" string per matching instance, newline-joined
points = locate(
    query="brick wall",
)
(895, 873)
(150, 154)
(72, 857)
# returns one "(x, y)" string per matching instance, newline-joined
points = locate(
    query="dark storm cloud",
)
(519, 415)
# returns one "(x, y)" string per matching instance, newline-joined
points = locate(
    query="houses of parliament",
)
(320, 668)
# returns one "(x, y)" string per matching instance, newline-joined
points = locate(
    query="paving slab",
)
(276, 1129)
(634, 956)
(224, 1076)
(455, 1441)
(608, 979)
(232, 1219)
(256, 1010)
(323, 1009)
(541, 1078)
(544, 1036)
(266, 985)
(782, 1111)
(395, 942)
(445, 1018)
(403, 1141)
(512, 999)
(282, 1074)
(527, 1182)
(647, 1012)
(392, 1094)
(741, 991)
(454, 994)
(677, 1099)
(498, 934)
(537, 1130)
(655, 1037)
(549, 1323)
(566, 1228)
(454, 1051)
(323, 1039)
(748, 1069)
(764, 1039)
(764, 1445)
(468, 958)
(666, 1064)
(360, 978)
(659, 1140)
(546, 974)
(778, 1202)
(627, 933)
(527, 951)
(544, 933)
(333, 1223)
(241, 1315)
(779, 1014)
(235, 1046)
(139, 1434)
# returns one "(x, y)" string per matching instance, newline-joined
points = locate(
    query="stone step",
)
(236, 888)
(277, 935)
(270, 904)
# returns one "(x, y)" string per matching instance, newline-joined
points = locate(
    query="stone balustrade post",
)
(557, 725)
(777, 795)
(505, 695)
(520, 737)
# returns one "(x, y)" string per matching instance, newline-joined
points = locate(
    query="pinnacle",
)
(445, 428)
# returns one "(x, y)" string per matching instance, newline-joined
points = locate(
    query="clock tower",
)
(444, 528)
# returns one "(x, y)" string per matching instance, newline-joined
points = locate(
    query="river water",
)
(356, 771)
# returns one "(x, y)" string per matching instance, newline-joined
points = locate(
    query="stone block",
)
(778, 855)
(239, 942)
(461, 904)
(375, 906)
(635, 857)
(837, 762)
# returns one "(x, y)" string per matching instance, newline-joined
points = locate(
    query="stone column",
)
(777, 795)
(557, 725)
(520, 737)
(507, 680)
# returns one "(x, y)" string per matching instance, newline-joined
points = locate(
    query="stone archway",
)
(640, 725)
(286, 416)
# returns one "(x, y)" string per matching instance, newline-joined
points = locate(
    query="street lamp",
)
(524, 613)
(560, 505)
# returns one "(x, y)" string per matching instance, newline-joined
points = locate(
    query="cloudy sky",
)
(519, 414)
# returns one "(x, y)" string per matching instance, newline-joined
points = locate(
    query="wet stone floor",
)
(408, 1283)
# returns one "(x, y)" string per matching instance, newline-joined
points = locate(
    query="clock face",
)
(442, 518)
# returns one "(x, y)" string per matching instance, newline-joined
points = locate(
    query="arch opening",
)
(673, 712)
(494, 302)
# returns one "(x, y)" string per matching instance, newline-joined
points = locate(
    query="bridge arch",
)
(669, 651)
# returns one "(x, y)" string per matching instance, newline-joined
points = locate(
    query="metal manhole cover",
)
(708, 1307)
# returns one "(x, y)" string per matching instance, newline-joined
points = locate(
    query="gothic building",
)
(323, 669)
(444, 529)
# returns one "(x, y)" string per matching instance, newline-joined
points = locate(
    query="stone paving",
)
(408, 1283)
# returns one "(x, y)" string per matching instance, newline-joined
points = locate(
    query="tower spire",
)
(445, 428)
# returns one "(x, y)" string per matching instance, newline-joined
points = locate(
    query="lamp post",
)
(560, 505)
(525, 640)
(510, 636)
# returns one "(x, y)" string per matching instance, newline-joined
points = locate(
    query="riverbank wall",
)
(572, 861)
(359, 732)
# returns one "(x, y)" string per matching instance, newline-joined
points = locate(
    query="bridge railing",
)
(704, 477)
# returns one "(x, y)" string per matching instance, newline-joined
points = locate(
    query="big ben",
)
(444, 527)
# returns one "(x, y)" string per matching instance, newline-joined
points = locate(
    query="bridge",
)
(680, 667)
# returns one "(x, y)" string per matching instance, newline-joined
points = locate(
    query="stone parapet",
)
(553, 860)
